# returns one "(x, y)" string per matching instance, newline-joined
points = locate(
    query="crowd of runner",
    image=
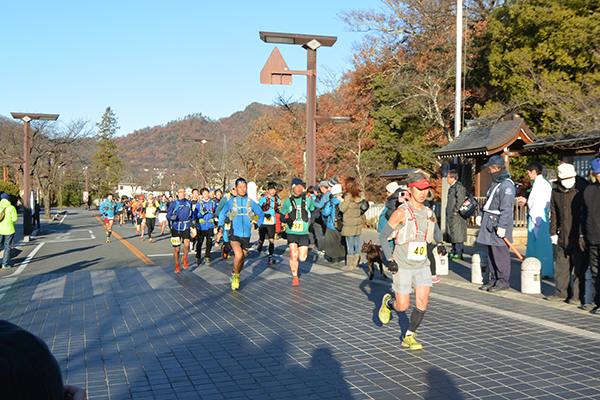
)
(328, 218)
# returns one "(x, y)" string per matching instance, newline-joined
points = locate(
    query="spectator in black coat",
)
(565, 220)
(457, 225)
(590, 235)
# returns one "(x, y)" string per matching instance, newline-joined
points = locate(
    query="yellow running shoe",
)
(107, 240)
(411, 343)
(235, 281)
(384, 311)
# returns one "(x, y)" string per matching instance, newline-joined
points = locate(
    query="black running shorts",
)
(177, 237)
(300, 240)
(244, 242)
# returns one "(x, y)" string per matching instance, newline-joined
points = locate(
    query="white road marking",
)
(51, 289)
(69, 237)
(26, 262)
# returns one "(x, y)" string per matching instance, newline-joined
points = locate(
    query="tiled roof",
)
(482, 136)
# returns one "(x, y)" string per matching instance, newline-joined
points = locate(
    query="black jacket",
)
(457, 225)
(591, 213)
(566, 208)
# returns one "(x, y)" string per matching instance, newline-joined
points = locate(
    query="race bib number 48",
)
(417, 251)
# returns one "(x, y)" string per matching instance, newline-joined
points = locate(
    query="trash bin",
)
(530, 276)
(480, 273)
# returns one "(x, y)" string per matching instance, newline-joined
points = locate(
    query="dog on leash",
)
(374, 255)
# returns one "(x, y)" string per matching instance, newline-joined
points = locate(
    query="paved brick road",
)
(146, 333)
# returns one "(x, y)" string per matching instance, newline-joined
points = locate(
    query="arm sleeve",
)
(584, 214)
(345, 205)
(258, 211)
(223, 214)
(553, 216)
(385, 233)
(220, 206)
(461, 194)
(507, 201)
(323, 201)
(437, 234)
(13, 213)
(327, 210)
(169, 210)
(310, 204)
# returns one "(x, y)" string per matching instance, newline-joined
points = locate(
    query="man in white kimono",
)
(539, 244)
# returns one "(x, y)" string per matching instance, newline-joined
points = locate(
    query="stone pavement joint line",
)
(146, 333)
(53, 288)
(529, 319)
(5, 284)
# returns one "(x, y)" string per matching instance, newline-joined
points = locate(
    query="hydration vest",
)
(239, 210)
(408, 232)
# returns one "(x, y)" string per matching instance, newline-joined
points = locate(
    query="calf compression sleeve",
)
(271, 248)
(416, 317)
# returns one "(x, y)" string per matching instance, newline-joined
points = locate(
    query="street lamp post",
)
(203, 141)
(26, 118)
(275, 71)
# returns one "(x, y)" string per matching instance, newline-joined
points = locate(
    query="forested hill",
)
(163, 146)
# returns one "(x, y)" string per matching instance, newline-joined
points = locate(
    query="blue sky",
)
(154, 62)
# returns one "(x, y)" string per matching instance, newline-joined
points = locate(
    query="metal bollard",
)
(530, 276)
(480, 273)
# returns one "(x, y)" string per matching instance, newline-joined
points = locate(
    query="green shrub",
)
(11, 189)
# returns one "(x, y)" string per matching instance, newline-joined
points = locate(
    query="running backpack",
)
(338, 217)
(303, 211)
(234, 210)
(364, 206)
(267, 206)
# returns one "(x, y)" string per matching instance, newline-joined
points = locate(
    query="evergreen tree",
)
(107, 163)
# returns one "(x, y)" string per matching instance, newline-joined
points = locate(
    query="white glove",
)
(501, 232)
(478, 220)
(554, 239)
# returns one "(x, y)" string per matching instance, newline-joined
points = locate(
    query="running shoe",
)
(107, 240)
(235, 281)
(185, 263)
(150, 240)
(296, 281)
(435, 279)
(177, 270)
(162, 232)
(271, 261)
(384, 311)
(259, 247)
(142, 239)
(411, 343)
(207, 261)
